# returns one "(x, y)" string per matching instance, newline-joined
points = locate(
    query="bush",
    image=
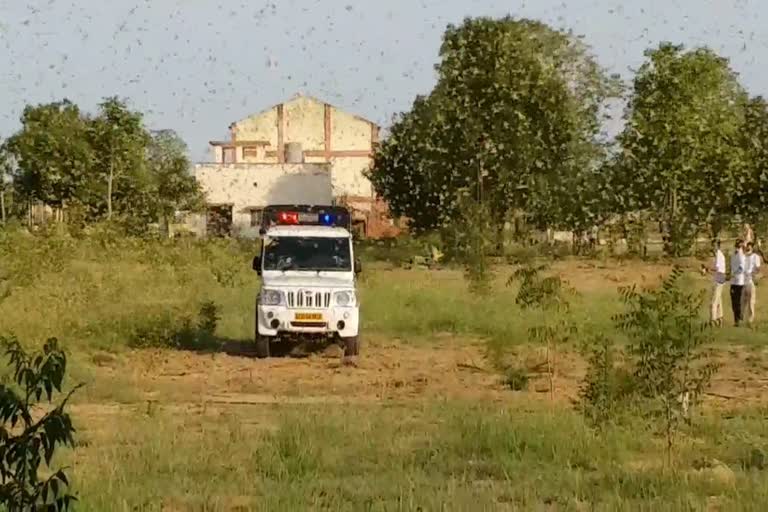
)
(51, 251)
(27, 443)
(552, 295)
(169, 329)
(670, 370)
(398, 251)
(516, 378)
(603, 389)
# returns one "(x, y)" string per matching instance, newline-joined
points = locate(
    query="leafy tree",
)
(25, 442)
(552, 296)
(52, 153)
(599, 392)
(666, 342)
(174, 187)
(405, 169)
(513, 118)
(5, 175)
(680, 153)
(470, 239)
(753, 203)
(120, 141)
(621, 211)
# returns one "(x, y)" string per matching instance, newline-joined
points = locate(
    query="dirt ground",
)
(386, 372)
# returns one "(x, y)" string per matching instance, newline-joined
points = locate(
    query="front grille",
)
(309, 324)
(308, 299)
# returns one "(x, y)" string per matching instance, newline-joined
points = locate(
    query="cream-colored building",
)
(304, 133)
(310, 130)
(237, 193)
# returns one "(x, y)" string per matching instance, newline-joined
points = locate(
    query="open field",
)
(421, 421)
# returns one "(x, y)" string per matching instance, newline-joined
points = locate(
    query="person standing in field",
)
(738, 264)
(716, 310)
(749, 293)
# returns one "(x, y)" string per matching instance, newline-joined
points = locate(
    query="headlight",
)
(271, 297)
(344, 299)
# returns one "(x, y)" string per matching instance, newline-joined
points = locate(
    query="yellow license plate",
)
(309, 316)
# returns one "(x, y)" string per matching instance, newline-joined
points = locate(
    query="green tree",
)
(471, 246)
(52, 153)
(5, 176)
(513, 118)
(120, 141)
(405, 169)
(552, 296)
(622, 207)
(26, 441)
(753, 203)
(667, 341)
(680, 152)
(174, 187)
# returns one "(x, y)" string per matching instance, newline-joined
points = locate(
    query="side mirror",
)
(358, 266)
(257, 264)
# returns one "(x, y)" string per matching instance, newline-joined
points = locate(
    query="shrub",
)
(604, 388)
(516, 378)
(552, 295)
(50, 251)
(27, 442)
(666, 336)
(170, 329)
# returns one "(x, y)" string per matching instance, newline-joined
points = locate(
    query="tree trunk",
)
(670, 231)
(110, 179)
(2, 206)
(500, 232)
(716, 226)
(167, 226)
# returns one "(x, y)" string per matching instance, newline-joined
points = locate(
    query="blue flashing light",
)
(327, 219)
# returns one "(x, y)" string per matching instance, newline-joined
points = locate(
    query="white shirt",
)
(738, 266)
(719, 266)
(751, 267)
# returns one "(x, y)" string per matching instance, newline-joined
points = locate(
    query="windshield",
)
(309, 253)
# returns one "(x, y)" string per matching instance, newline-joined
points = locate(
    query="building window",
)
(228, 155)
(250, 152)
(255, 217)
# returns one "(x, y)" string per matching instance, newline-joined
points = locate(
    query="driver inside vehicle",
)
(294, 253)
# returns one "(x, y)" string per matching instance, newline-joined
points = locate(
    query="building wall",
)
(327, 135)
(305, 123)
(259, 127)
(349, 132)
(252, 186)
(347, 176)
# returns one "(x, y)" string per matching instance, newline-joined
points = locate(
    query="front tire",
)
(262, 346)
(351, 346)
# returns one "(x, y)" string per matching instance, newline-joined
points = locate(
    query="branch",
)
(57, 410)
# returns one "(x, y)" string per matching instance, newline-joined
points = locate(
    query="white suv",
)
(308, 277)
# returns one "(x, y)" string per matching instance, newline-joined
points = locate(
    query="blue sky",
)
(197, 65)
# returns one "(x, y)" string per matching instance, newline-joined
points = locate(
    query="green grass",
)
(423, 457)
(94, 295)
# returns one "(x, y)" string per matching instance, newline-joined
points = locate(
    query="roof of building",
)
(232, 143)
(309, 97)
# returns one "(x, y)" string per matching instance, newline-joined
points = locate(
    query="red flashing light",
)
(288, 218)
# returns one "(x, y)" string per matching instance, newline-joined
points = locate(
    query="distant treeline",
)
(90, 168)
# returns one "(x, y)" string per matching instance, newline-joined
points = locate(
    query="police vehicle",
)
(308, 277)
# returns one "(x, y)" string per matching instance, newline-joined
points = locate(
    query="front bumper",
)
(274, 320)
